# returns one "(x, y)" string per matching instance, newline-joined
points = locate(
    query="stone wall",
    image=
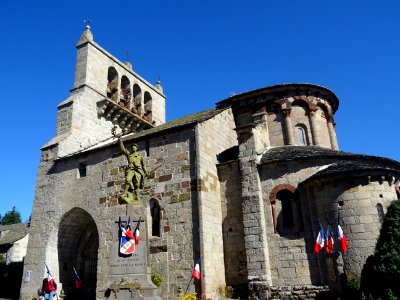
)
(213, 136)
(173, 186)
(86, 128)
(361, 205)
(322, 128)
(64, 118)
(256, 244)
(60, 189)
(300, 292)
(232, 224)
(276, 129)
(18, 251)
(292, 261)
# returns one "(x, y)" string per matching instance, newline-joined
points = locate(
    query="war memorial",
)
(239, 186)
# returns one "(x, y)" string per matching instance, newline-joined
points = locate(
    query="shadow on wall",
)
(10, 277)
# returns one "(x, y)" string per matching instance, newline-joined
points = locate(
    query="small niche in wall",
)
(155, 213)
(82, 169)
(381, 213)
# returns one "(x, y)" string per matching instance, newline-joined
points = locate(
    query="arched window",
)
(112, 84)
(301, 136)
(147, 115)
(155, 213)
(125, 91)
(137, 100)
(286, 198)
(286, 210)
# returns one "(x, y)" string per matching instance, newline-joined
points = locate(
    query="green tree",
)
(381, 274)
(11, 217)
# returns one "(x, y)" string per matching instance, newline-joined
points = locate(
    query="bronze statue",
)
(135, 173)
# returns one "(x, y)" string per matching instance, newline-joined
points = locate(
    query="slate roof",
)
(354, 167)
(9, 234)
(346, 162)
(181, 122)
(189, 120)
(286, 153)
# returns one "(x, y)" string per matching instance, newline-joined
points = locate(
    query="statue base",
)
(130, 198)
(133, 289)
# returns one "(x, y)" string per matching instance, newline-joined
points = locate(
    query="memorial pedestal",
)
(129, 275)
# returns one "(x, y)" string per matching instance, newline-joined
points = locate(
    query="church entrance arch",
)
(78, 243)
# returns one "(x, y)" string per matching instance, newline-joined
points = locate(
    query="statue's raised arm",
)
(114, 132)
(135, 173)
(120, 143)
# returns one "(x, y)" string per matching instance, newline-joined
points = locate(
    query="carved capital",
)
(286, 112)
(313, 112)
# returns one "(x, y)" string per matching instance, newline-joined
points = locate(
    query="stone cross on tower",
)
(87, 22)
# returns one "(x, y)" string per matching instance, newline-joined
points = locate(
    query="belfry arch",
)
(78, 243)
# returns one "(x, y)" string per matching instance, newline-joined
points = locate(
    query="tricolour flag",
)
(78, 281)
(342, 238)
(320, 241)
(51, 285)
(196, 272)
(137, 232)
(127, 241)
(329, 241)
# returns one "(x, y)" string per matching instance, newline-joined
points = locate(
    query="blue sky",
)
(203, 52)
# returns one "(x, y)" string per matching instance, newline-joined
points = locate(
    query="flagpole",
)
(48, 272)
(201, 285)
(191, 278)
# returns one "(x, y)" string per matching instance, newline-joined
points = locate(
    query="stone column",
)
(288, 126)
(332, 133)
(256, 243)
(314, 128)
(274, 217)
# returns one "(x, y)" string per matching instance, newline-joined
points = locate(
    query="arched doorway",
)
(78, 243)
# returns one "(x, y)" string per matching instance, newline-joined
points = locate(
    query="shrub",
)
(156, 279)
(191, 296)
(381, 273)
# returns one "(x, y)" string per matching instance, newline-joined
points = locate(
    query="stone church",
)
(240, 186)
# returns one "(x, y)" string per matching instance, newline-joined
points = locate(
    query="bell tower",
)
(106, 92)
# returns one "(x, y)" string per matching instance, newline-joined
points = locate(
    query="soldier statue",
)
(135, 173)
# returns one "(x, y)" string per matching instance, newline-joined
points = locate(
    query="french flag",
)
(137, 232)
(51, 286)
(329, 242)
(320, 241)
(50, 279)
(78, 281)
(342, 238)
(196, 272)
(127, 241)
